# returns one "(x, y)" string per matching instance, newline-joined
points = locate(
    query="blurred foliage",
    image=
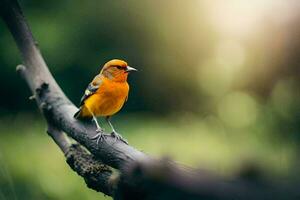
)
(220, 79)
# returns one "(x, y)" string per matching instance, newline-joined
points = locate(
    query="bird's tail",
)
(83, 113)
(77, 115)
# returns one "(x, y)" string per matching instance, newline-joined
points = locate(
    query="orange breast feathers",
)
(107, 100)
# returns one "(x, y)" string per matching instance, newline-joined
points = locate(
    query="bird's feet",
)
(99, 136)
(117, 136)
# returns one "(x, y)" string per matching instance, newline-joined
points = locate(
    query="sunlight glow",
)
(241, 18)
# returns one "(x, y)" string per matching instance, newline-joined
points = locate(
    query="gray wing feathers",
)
(91, 89)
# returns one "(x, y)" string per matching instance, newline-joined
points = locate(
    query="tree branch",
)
(165, 179)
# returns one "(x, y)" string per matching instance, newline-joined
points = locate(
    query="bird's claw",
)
(117, 136)
(99, 136)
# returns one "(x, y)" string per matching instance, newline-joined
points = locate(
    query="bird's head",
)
(116, 70)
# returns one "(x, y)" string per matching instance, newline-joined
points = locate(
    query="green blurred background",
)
(217, 87)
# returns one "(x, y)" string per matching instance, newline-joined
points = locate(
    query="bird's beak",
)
(130, 69)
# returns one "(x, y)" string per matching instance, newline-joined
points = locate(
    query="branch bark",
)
(141, 177)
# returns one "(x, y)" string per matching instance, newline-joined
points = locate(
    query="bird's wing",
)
(91, 88)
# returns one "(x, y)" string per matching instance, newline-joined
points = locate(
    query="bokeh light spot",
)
(237, 110)
(284, 97)
(230, 55)
(212, 80)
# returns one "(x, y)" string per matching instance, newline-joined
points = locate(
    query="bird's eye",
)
(119, 67)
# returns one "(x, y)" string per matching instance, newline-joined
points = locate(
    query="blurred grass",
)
(32, 166)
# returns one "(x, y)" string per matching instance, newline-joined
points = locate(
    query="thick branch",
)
(164, 179)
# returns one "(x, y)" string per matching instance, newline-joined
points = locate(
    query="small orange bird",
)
(106, 95)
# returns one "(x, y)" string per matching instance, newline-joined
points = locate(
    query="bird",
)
(105, 96)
